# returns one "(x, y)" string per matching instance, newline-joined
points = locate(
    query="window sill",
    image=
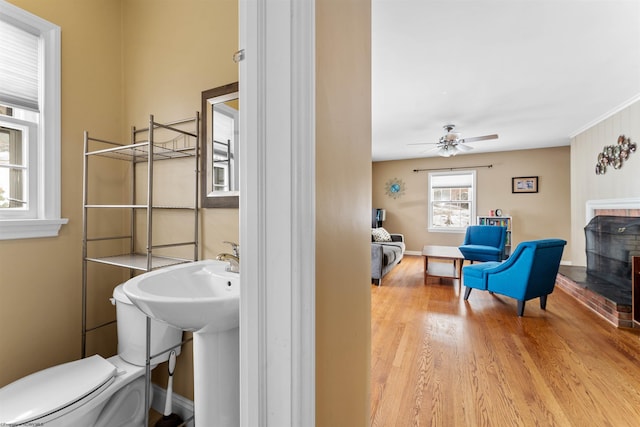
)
(447, 230)
(30, 228)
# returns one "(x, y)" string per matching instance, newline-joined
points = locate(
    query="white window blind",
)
(19, 69)
(462, 180)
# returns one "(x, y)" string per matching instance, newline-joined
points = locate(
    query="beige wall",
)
(343, 201)
(535, 215)
(172, 52)
(615, 184)
(40, 285)
(121, 61)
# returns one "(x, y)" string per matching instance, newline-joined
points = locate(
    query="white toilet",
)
(93, 391)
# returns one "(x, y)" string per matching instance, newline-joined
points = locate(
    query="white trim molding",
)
(593, 205)
(304, 213)
(30, 228)
(277, 213)
(605, 116)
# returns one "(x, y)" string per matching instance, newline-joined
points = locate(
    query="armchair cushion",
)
(474, 277)
(530, 272)
(484, 243)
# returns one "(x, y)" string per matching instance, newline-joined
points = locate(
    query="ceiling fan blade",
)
(479, 138)
(463, 147)
(423, 143)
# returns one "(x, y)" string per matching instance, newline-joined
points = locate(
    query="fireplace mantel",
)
(610, 204)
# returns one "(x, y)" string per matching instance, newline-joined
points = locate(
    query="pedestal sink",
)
(203, 298)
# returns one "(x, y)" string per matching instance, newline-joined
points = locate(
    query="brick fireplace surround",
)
(614, 305)
(618, 314)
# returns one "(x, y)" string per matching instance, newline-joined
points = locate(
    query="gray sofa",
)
(385, 256)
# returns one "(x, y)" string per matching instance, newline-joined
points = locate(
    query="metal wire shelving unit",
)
(180, 141)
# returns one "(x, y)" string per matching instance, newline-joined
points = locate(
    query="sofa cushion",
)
(380, 235)
(399, 245)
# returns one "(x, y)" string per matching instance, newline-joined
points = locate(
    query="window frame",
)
(46, 221)
(30, 151)
(430, 202)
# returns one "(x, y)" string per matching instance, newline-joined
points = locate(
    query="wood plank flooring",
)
(440, 361)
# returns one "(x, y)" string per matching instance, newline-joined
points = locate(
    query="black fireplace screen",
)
(611, 241)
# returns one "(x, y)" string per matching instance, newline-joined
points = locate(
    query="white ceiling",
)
(535, 72)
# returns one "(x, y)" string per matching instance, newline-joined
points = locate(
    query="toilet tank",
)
(132, 329)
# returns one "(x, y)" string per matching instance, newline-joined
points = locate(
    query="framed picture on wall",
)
(524, 184)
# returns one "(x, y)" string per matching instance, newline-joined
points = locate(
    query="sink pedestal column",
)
(216, 382)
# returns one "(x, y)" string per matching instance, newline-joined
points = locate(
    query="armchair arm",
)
(503, 243)
(376, 261)
(505, 265)
(397, 237)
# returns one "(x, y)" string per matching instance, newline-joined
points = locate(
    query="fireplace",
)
(612, 236)
(611, 241)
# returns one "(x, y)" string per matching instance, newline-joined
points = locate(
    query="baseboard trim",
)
(180, 405)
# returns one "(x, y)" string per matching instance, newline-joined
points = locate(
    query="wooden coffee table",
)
(441, 269)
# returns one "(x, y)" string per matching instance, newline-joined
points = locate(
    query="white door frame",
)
(277, 213)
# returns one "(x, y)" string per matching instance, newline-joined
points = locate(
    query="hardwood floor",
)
(440, 361)
(154, 417)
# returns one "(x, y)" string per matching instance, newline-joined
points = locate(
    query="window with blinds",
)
(19, 89)
(451, 200)
(29, 125)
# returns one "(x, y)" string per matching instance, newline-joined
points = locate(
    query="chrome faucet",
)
(235, 248)
(232, 259)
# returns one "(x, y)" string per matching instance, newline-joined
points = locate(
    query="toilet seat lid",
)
(52, 389)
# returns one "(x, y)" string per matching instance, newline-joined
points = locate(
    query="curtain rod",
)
(453, 169)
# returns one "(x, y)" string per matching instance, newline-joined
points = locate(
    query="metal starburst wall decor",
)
(394, 188)
(614, 155)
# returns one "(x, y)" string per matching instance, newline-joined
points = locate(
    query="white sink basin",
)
(203, 298)
(199, 296)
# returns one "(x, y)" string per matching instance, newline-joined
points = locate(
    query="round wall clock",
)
(394, 188)
(498, 212)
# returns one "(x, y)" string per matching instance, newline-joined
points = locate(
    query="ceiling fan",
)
(451, 143)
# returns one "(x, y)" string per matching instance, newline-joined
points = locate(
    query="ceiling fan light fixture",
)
(452, 143)
(447, 150)
(451, 137)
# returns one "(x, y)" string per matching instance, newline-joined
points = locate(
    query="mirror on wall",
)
(220, 175)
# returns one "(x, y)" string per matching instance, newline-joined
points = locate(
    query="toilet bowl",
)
(93, 391)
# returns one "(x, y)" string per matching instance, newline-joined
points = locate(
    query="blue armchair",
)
(484, 243)
(530, 272)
